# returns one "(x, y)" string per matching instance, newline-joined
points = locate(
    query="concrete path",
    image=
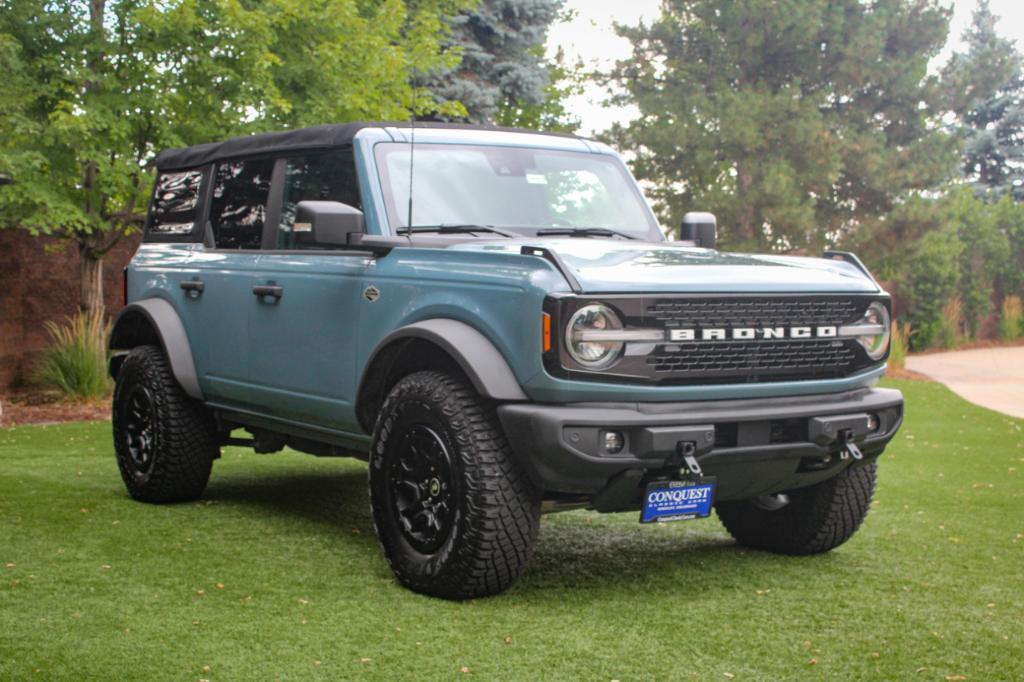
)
(990, 377)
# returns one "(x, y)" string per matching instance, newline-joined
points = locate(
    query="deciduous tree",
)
(98, 86)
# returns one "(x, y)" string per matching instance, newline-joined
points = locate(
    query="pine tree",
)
(503, 66)
(986, 86)
(796, 121)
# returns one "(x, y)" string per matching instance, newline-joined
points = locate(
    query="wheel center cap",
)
(435, 487)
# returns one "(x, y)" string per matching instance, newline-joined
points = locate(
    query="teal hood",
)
(607, 266)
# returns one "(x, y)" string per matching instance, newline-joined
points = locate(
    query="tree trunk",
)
(91, 274)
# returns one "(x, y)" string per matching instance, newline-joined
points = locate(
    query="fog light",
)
(613, 442)
(872, 423)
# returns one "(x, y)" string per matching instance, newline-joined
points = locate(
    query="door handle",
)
(193, 287)
(271, 290)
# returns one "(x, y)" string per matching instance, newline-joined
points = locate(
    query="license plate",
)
(678, 500)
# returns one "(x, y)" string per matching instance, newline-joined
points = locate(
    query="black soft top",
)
(302, 139)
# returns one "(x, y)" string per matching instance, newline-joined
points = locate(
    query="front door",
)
(303, 319)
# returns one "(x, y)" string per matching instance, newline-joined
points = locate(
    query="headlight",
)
(871, 331)
(584, 336)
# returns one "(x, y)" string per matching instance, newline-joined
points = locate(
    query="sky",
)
(590, 37)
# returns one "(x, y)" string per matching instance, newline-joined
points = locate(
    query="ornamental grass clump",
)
(75, 363)
(1011, 319)
(901, 333)
(951, 324)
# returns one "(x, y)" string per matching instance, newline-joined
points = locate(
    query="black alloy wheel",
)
(139, 433)
(423, 488)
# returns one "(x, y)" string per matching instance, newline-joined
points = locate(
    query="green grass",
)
(276, 575)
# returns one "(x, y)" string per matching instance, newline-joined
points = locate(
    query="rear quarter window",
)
(175, 203)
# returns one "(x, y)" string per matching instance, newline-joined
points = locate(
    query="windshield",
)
(511, 188)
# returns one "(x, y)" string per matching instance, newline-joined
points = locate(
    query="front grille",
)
(754, 312)
(755, 360)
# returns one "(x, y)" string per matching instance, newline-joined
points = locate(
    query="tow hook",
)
(690, 467)
(848, 447)
(842, 430)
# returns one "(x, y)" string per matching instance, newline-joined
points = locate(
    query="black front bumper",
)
(753, 447)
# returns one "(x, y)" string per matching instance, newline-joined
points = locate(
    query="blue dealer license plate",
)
(678, 500)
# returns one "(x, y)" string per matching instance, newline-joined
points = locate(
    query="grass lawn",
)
(276, 574)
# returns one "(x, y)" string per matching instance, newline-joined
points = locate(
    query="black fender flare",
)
(477, 357)
(161, 316)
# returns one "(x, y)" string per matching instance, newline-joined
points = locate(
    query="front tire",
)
(165, 441)
(808, 520)
(456, 515)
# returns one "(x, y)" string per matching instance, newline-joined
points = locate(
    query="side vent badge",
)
(371, 293)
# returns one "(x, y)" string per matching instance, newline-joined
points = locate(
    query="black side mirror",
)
(699, 228)
(326, 223)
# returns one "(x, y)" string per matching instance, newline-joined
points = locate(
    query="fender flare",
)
(483, 364)
(170, 332)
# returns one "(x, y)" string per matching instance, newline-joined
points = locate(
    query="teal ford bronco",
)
(494, 320)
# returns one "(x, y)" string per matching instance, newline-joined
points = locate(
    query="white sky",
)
(590, 36)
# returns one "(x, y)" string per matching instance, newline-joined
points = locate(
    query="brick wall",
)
(39, 282)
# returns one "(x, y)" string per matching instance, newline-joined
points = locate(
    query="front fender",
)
(482, 363)
(155, 320)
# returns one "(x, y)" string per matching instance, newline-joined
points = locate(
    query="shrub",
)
(932, 277)
(951, 324)
(899, 343)
(76, 361)
(1011, 318)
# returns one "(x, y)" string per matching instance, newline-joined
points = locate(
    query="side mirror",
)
(326, 223)
(699, 228)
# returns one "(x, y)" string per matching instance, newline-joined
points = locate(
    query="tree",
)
(501, 43)
(931, 281)
(98, 87)
(553, 114)
(797, 122)
(985, 85)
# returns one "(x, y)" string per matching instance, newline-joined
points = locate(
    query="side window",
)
(175, 200)
(239, 206)
(328, 176)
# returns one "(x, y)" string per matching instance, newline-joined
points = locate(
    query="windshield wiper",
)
(582, 232)
(453, 229)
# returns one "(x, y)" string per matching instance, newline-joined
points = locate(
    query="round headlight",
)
(876, 319)
(587, 348)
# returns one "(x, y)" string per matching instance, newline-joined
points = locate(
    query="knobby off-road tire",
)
(818, 518)
(456, 515)
(165, 441)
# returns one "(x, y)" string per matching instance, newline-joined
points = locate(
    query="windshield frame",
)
(395, 217)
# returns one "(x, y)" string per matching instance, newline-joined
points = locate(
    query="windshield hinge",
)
(553, 258)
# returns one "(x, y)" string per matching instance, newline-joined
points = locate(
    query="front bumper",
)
(754, 446)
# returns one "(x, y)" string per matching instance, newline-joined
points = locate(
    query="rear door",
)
(302, 335)
(217, 294)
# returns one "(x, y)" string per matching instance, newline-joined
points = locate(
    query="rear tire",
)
(456, 515)
(815, 519)
(165, 441)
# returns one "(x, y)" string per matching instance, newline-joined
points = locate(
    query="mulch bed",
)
(47, 408)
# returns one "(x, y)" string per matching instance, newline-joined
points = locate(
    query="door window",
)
(329, 176)
(175, 200)
(239, 207)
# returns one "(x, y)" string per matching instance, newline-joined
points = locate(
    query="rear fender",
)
(154, 321)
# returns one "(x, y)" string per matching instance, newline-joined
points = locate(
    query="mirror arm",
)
(377, 244)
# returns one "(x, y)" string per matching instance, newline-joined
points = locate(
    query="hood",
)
(616, 266)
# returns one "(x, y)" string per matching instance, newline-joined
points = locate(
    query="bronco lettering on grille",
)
(753, 333)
